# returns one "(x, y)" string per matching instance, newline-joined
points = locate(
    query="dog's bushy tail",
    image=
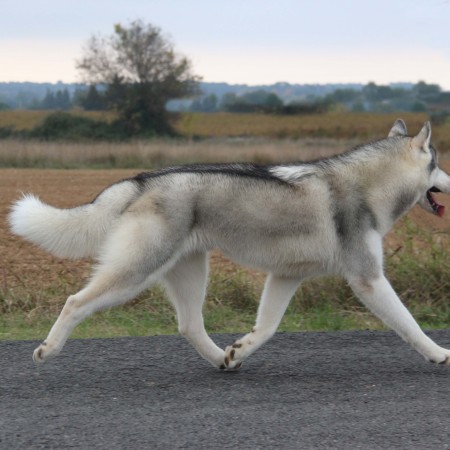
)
(70, 233)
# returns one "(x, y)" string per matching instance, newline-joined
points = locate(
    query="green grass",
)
(418, 270)
(125, 321)
(111, 323)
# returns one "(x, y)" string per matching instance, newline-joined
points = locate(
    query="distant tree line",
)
(59, 99)
(422, 97)
(88, 98)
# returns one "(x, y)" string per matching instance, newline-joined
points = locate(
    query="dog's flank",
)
(292, 220)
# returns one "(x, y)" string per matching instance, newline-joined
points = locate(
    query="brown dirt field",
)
(25, 268)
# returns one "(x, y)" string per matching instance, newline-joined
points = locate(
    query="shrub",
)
(65, 126)
(6, 132)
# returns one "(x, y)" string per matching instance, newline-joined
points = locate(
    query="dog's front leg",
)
(275, 299)
(379, 296)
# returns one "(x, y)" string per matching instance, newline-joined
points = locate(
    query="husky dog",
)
(293, 221)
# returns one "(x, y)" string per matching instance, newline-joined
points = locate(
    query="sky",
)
(242, 42)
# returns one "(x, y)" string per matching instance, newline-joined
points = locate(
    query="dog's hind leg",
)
(102, 292)
(185, 285)
(136, 255)
(275, 299)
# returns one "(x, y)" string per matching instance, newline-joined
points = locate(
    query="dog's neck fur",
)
(369, 172)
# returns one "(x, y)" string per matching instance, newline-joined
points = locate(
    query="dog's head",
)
(433, 179)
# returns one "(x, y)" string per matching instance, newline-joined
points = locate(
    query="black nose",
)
(435, 189)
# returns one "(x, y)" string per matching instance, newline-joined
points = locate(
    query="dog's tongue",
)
(438, 208)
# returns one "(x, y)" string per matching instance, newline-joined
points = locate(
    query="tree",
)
(254, 101)
(49, 100)
(229, 99)
(56, 100)
(205, 104)
(92, 100)
(63, 99)
(273, 101)
(141, 72)
(427, 92)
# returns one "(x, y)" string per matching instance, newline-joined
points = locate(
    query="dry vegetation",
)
(159, 153)
(334, 125)
(223, 137)
(338, 125)
(26, 119)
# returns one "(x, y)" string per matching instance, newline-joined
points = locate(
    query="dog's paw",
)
(442, 358)
(442, 362)
(44, 352)
(233, 359)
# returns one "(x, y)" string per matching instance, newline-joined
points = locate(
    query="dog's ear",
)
(398, 129)
(423, 139)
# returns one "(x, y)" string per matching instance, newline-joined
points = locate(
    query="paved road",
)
(342, 390)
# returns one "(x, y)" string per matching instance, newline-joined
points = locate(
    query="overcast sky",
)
(242, 41)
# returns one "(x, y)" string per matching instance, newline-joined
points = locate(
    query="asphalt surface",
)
(342, 390)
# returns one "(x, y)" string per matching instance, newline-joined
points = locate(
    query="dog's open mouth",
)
(435, 206)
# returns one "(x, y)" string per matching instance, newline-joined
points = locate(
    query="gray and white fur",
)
(293, 221)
